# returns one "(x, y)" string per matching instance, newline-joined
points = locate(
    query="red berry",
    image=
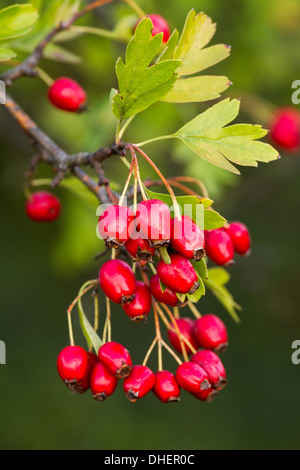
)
(187, 238)
(68, 95)
(186, 327)
(192, 377)
(139, 383)
(116, 225)
(285, 129)
(117, 281)
(140, 307)
(160, 25)
(240, 237)
(72, 365)
(103, 383)
(167, 297)
(153, 219)
(43, 207)
(92, 361)
(140, 249)
(211, 333)
(219, 247)
(207, 395)
(212, 364)
(166, 388)
(180, 276)
(116, 359)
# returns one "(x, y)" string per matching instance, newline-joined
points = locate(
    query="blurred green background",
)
(43, 266)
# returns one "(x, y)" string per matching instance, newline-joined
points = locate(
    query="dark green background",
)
(43, 266)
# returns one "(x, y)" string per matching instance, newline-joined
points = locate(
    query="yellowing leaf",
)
(197, 89)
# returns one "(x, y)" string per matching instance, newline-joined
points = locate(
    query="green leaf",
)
(162, 286)
(198, 294)
(16, 20)
(208, 138)
(6, 54)
(219, 275)
(215, 283)
(165, 255)
(213, 220)
(201, 269)
(169, 50)
(181, 297)
(140, 85)
(198, 32)
(197, 89)
(91, 336)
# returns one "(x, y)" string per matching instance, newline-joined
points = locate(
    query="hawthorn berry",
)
(186, 328)
(92, 361)
(68, 95)
(206, 395)
(117, 281)
(72, 363)
(219, 247)
(140, 307)
(166, 387)
(102, 382)
(285, 129)
(139, 383)
(192, 377)
(116, 224)
(240, 237)
(140, 249)
(212, 364)
(153, 220)
(167, 297)
(160, 25)
(43, 207)
(211, 333)
(180, 276)
(187, 238)
(116, 359)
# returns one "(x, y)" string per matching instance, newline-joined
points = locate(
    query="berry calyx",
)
(219, 247)
(166, 388)
(211, 333)
(116, 225)
(187, 238)
(180, 276)
(72, 365)
(140, 307)
(153, 220)
(103, 383)
(285, 129)
(140, 249)
(116, 359)
(92, 361)
(240, 237)
(117, 281)
(186, 328)
(43, 207)
(68, 95)
(212, 364)
(207, 395)
(139, 383)
(167, 297)
(192, 377)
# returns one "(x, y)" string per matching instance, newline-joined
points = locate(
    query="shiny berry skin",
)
(43, 207)
(186, 327)
(117, 281)
(285, 129)
(68, 95)
(153, 219)
(166, 388)
(180, 276)
(219, 247)
(207, 395)
(240, 237)
(212, 364)
(140, 307)
(187, 238)
(102, 382)
(72, 365)
(140, 249)
(168, 297)
(139, 383)
(211, 333)
(116, 225)
(192, 377)
(92, 361)
(116, 359)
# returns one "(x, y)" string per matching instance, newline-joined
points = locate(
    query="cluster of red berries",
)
(204, 376)
(285, 129)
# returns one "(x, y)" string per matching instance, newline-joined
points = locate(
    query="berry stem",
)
(149, 352)
(71, 334)
(136, 8)
(142, 188)
(96, 310)
(85, 288)
(176, 313)
(163, 317)
(121, 201)
(167, 347)
(188, 179)
(194, 310)
(45, 77)
(182, 339)
(159, 338)
(107, 325)
(125, 127)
